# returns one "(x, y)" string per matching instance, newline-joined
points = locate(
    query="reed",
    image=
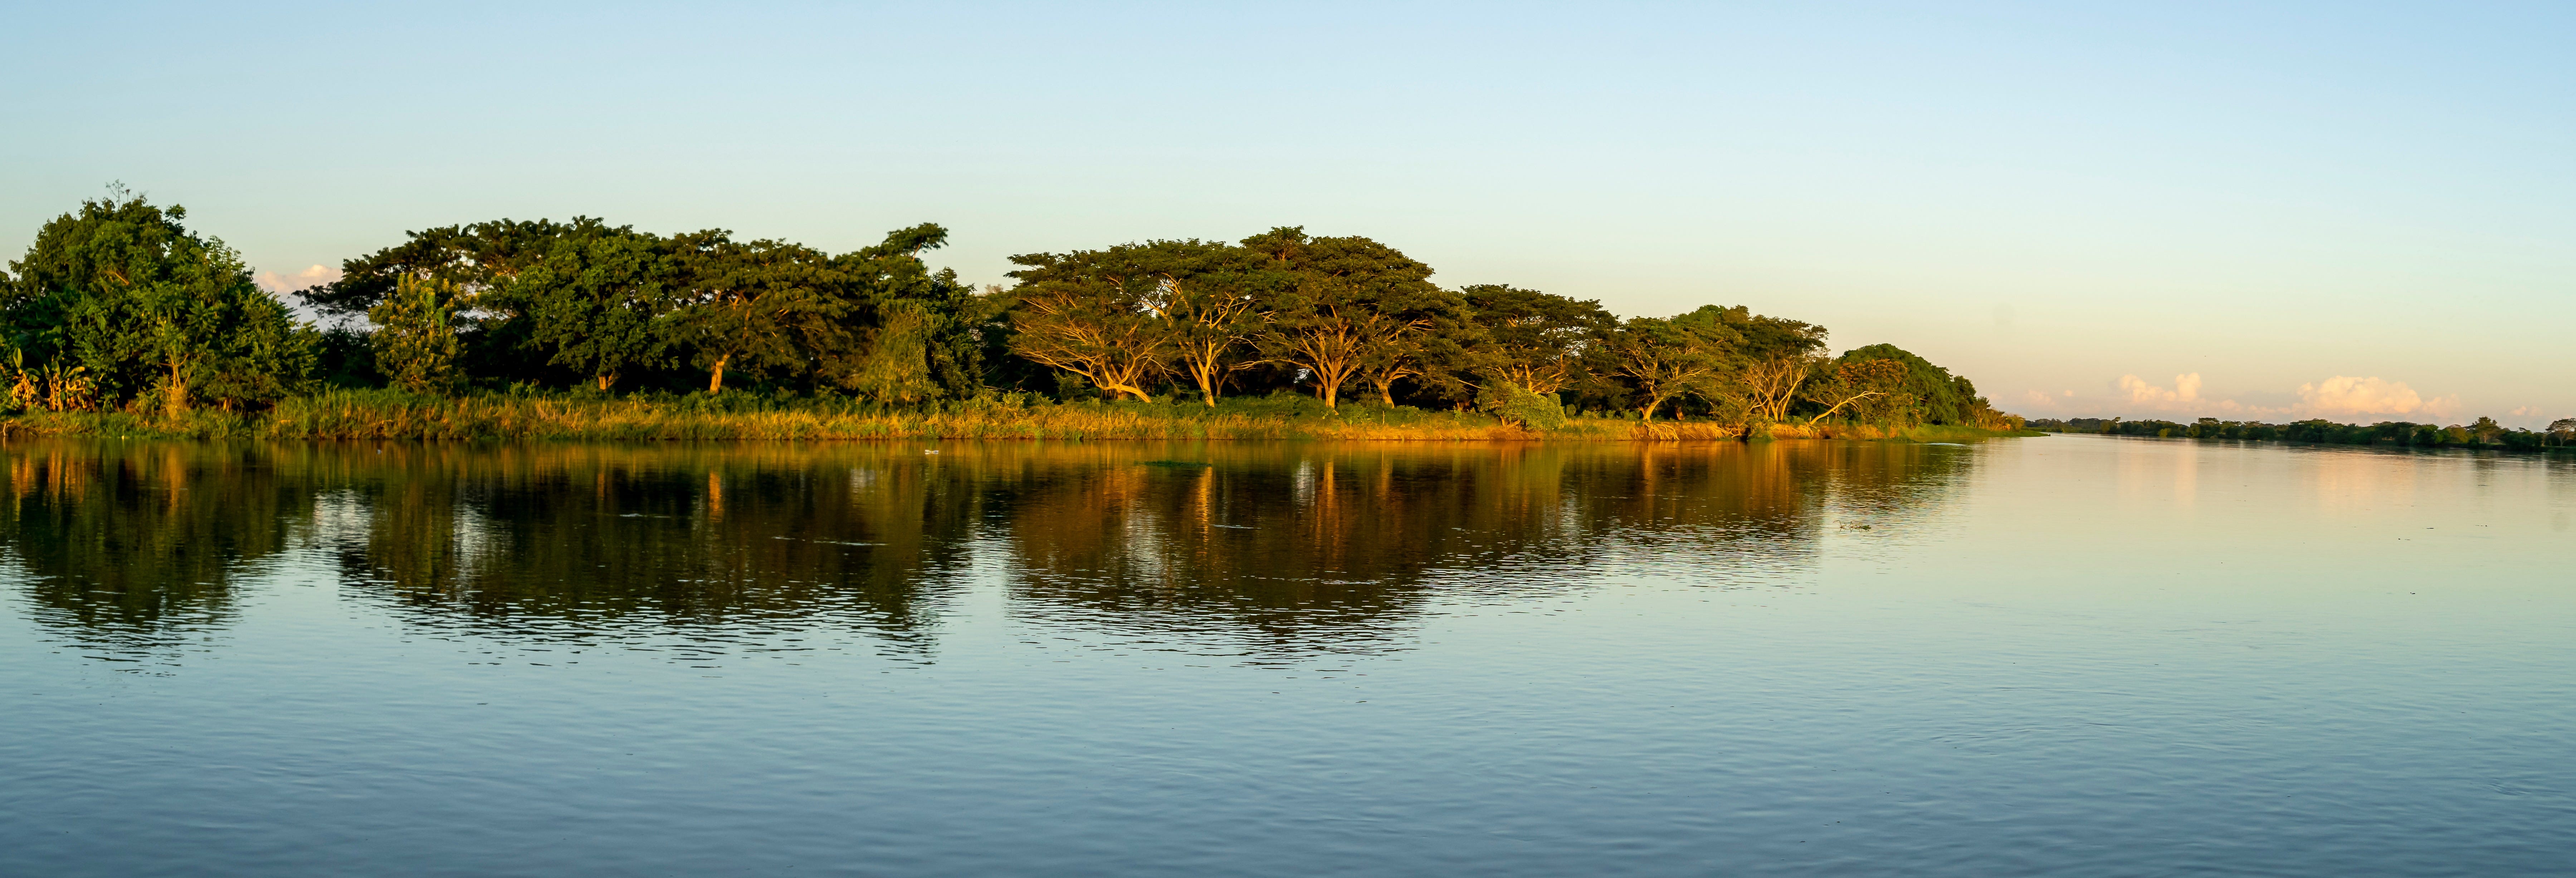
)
(392, 414)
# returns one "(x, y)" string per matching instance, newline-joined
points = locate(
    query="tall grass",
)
(393, 414)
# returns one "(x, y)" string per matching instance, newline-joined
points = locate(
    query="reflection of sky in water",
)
(2062, 655)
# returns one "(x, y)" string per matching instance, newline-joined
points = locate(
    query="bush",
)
(415, 343)
(1519, 407)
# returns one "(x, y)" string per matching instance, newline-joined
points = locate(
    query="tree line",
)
(2484, 433)
(120, 306)
(1342, 317)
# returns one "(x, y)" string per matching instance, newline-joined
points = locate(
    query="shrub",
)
(1517, 406)
(415, 339)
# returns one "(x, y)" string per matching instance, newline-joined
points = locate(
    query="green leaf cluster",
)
(1519, 407)
(415, 340)
(151, 315)
(1329, 315)
(584, 303)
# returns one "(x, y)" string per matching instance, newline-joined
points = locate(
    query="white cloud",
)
(2344, 396)
(2185, 390)
(276, 283)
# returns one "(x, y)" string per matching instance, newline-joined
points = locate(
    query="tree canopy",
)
(584, 302)
(120, 305)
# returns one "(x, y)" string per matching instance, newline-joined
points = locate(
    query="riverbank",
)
(383, 414)
(2484, 435)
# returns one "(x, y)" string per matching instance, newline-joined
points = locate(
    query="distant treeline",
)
(120, 307)
(2485, 433)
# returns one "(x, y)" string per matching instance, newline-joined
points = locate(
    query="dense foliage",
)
(120, 307)
(1283, 311)
(583, 303)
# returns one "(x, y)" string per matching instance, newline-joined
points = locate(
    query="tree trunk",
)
(1655, 403)
(605, 380)
(1205, 373)
(715, 381)
(178, 397)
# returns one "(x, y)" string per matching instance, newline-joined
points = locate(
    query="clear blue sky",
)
(2045, 197)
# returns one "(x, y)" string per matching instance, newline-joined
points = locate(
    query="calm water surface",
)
(2070, 655)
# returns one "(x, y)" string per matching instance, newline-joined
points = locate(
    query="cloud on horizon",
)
(2342, 397)
(2186, 390)
(277, 283)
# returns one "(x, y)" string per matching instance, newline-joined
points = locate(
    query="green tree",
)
(1518, 406)
(909, 333)
(605, 301)
(758, 306)
(476, 258)
(595, 298)
(2487, 431)
(415, 336)
(125, 293)
(1092, 313)
(262, 354)
(1659, 359)
(1151, 308)
(1204, 294)
(1533, 339)
(481, 260)
(1766, 361)
(1935, 395)
(1347, 308)
(1873, 390)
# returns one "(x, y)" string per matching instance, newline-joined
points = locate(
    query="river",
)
(2047, 656)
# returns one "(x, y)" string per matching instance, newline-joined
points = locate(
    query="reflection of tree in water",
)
(1752, 509)
(1335, 548)
(1292, 547)
(1275, 549)
(133, 547)
(1893, 482)
(1734, 499)
(725, 542)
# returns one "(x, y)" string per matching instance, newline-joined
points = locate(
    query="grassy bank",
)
(384, 414)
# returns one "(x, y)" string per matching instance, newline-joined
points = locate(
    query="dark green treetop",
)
(1535, 339)
(594, 299)
(126, 293)
(1938, 396)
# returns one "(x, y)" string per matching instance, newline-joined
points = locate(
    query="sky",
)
(2357, 211)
